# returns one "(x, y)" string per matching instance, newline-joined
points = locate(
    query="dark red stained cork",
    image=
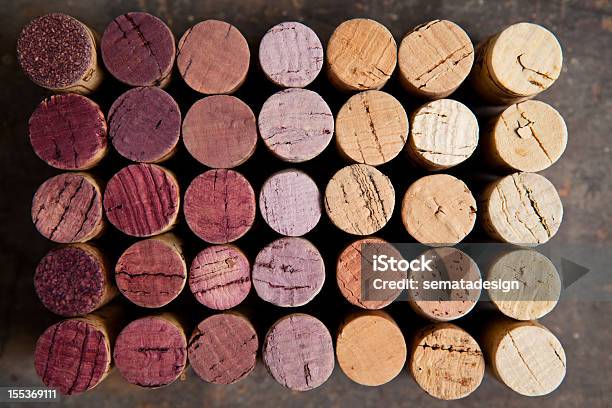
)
(73, 280)
(142, 200)
(151, 351)
(145, 124)
(68, 132)
(72, 356)
(298, 352)
(223, 348)
(68, 208)
(220, 206)
(220, 277)
(138, 49)
(288, 272)
(220, 131)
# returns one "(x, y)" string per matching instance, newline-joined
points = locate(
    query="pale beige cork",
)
(527, 136)
(359, 199)
(370, 348)
(446, 362)
(361, 55)
(525, 356)
(540, 284)
(444, 133)
(516, 64)
(371, 128)
(522, 209)
(434, 59)
(438, 210)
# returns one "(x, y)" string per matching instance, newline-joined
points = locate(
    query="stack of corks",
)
(145, 201)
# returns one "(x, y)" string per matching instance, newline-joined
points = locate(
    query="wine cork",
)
(525, 356)
(522, 208)
(540, 287)
(516, 64)
(58, 52)
(298, 352)
(359, 199)
(213, 57)
(145, 125)
(527, 136)
(355, 272)
(288, 272)
(220, 206)
(370, 348)
(68, 208)
(142, 200)
(361, 54)
(296, 125)
(291, 55)
(371, 128)
(74, 280)
(151, 351)
(444, 133)
(68, 132)
(220, 131)
(434, 59)
(138, 49)
(290, 202)
(220, 277)
(222, 349)
(448, 264)
(438, 210)
(152, 272)
(446, 361)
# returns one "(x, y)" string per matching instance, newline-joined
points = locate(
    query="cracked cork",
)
(138, 49)
(434, 59)
(361, 55)
(298, 352)
(359, 199)
(152, 272)
(444, 134)
(446, 361)
(213, 57)
(371, 128)
(516, 64)
(522, 209)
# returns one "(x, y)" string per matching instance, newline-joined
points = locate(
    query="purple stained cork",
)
(288, 272)
(138, 49)
(151, 351)
(220, 277)
(142, 200)
(298, 352)
(68, 208)
(145, 125)
(223, 348)
(290, 202)
(220, 206)
(220, 131)
(68, 132)
(296, 124)
(291, 55)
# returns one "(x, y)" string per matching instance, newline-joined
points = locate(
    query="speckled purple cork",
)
(220, 206)
(296, 124)
(298, 352)
(291, 55)
(288, 272)
(145, 124)
(290, 202)
(223, 348)
(220, 277)
(138, 49)
(151, 352)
